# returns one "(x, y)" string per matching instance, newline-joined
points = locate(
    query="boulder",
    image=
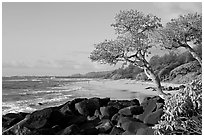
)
(11, 119)
(43, 131)
(87, 107)
(130, 124)
(45, 118)
(88, 128)
(145, 131)
(104, 101)
(105, 126)
(77, 120)
(132, 110)
(108, 112)
(115, 118)
(128, 133)
(116, 131)
(71, 130)
(136, 110)
(150, 105)
(119, 104)
(115, 103)
(69, 107)
(18, 129)
(154, 117)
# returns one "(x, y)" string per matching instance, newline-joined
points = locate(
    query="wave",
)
(33, 104)
(53, 90)
(12, 107)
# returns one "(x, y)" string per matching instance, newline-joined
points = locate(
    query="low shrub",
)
(182, 112)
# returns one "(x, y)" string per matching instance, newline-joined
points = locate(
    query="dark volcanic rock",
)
(45, 118)
(88, 129)
(145, 131)
(69, 107)
(128, 133)
(108, 112)
(104, 101)
(154, 117)
(132, 110)
(92, 116)
(116, 131)
(105, 126)
(149, 105)
(71, 130)
(88, 107)
(130, 124)
(115, 118)
(77, 120)
(10, 119)
(119, 104)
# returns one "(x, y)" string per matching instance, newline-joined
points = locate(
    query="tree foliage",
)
(132, 45)
(182, 32)
(135, 39)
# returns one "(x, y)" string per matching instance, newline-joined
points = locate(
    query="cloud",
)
(15, 64)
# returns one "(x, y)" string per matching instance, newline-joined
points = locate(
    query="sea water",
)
(28, 95)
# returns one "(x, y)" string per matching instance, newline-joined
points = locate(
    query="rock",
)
(128, 133)
(47, 117)
(105, 126)
(11, 119)
(125, 111)
(43, 131)
(69, 107)
(104, 101)
(154, 117)
(71, 130)
(130, 124)
(108, 112)
(136, 110)
(149, 105)
(88, 107)
(97, 113)
(18, 129)
(56, 128)
(88, 129)
(91, 118)
(145, 131)
(132, 110)
(119, 104)
(116, 104)
(116, 131)
(77, 120)
(115, 118)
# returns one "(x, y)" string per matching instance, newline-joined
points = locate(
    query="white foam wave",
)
(12, 107)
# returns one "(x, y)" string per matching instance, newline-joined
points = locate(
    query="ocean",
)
(30, 94)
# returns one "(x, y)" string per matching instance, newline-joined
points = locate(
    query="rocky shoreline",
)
(93, 116)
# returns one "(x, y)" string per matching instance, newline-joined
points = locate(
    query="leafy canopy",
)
(186, 28)
(135, 32)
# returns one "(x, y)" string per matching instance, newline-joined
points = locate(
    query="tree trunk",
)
(150, 74)
(194, 54)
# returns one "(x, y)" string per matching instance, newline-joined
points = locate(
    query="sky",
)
(57, 38)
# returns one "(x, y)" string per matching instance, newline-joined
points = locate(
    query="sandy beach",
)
(119, 89)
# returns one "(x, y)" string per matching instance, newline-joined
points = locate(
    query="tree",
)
(182, 32)
(135, 31)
